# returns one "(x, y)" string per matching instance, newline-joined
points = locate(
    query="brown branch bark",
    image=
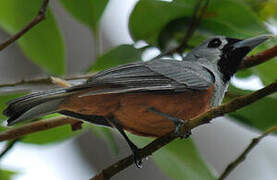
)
(36, 126)
(47, 80)
(259, 58)
(203, 118)
(243, 155)
(38, 18)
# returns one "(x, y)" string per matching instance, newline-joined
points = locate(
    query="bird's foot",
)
(181, 129)
(137, 157)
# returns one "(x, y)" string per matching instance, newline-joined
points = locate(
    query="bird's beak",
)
(251, 42)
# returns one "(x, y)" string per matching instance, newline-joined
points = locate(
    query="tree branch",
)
(38, 18)
(259, 58)
(203, 118)
(36, 126)
(45, 80)
(243, 155)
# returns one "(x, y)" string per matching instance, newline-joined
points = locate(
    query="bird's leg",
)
(134, 148)
(178, 122)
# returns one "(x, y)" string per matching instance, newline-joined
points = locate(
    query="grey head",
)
(225, 53)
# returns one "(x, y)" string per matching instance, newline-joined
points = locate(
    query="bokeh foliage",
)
(160, 24)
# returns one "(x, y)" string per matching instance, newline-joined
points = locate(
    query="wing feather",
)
(156, 75)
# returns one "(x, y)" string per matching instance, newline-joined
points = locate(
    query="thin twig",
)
(60, 82)
(36, 126)
(39, 17)
(203, 118)
(243, 155)
(195, 21)
(47, 80)
(8, 147)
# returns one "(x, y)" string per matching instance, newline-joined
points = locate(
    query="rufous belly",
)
(132, 109)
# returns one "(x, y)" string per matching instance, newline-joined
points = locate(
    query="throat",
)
(230, 62)
(227, 69)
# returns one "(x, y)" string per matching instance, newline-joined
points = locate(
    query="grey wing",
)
(192, 75)
(158, 75)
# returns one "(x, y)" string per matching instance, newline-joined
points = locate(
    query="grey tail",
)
(34, 105)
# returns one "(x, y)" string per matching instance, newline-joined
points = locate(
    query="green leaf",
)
(43, 44)
(235, 14)
(105, 134)
(265, 9)
(6, 174)
(119, 55)
(266, 71)
(260, 115)
(179, 160)
(244, 73)
(53, 135)
(87, 12)
(150, 16)
(226, 17)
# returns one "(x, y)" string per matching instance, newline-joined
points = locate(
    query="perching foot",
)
(178, 123)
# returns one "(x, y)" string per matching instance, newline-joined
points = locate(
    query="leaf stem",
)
(38, 18)
(8, 147)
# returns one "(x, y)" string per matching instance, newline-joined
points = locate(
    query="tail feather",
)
(34, 105)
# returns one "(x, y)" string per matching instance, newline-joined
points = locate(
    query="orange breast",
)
(131, 109)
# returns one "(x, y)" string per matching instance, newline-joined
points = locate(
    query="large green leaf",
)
(43, 44)
(227, 17)
(119, 55)
(265, 8)
(87, 12)
(260, 115)
(267, 71)
(150, 16)
(179, 160)
(6, 175)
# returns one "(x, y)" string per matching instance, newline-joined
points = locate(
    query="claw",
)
(178, 131)
(178, 123)
(137, 158)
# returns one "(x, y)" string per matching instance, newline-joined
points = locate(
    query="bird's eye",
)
(214, 43)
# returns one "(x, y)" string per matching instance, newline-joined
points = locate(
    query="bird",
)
(149, 98)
